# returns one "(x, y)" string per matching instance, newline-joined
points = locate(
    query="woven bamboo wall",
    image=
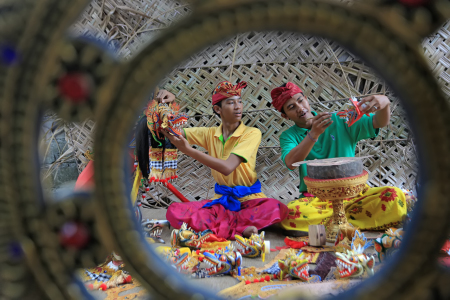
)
(79, 137)
(126, 25)
(266, 60)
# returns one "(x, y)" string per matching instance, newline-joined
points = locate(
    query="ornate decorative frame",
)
(385, 34)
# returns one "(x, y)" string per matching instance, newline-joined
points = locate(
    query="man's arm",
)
(301, 151)
(226, 167)
(382, 117)
(379, 104)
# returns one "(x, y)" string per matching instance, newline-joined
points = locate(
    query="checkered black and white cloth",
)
(172, 164)
(156, 165)
(100, 277)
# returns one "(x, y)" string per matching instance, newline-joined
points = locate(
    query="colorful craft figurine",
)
(222, 262)
(163, 155)
(351, 113)
(354, 262)
(186, 237)
(182, 261)
(157, 159)
(411, 200)
(344, 238)
(119, 277)
(252, 247)
(153, 230)
(179, 258)
(295, 265)
(106, 275)
(164, 116)
(388, 243)
(343, 242)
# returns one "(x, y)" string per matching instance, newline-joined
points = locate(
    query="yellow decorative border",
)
(340, 182)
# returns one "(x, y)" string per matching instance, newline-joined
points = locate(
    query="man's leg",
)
(377, 209)
(216, 218)
(249, 231)
(191, 213)
(306, 211)
(257, 214)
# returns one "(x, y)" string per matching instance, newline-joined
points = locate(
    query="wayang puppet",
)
(157, 157)
(351, 112)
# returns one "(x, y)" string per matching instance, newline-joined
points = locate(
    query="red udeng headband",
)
(282, 94)
(226, 89)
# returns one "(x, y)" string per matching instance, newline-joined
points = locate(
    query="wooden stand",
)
(338, 220)
(317, 235)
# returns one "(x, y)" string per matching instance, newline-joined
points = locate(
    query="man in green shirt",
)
(324, 135)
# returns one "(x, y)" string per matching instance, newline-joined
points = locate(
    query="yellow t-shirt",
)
(244, 142)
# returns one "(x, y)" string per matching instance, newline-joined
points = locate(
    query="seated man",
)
(239, 206)
(324, 135)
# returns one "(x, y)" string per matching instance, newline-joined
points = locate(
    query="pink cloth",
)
(224, 223)
(308, 194)
(85, 180)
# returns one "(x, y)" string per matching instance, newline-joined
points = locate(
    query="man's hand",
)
(319, 123)
(373, 103)
(178, 141)
(164, 96)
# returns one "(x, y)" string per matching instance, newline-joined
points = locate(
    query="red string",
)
(295, 244)
(175, 191)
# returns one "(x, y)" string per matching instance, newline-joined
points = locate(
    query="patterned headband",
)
(226, 89)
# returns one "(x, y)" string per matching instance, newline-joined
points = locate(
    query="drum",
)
(334, 180)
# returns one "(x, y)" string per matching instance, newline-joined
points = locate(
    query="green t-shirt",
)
(338, 140)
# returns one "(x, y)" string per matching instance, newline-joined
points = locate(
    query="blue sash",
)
(230, 196)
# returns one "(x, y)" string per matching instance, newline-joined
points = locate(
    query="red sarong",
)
(225, 223)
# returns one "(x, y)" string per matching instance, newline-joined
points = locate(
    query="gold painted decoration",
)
(337, 189)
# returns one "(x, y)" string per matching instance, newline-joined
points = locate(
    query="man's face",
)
(297, 109)
(231, 110)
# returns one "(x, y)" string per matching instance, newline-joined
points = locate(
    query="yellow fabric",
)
(244, 142)
(136, 184)
(376, 209)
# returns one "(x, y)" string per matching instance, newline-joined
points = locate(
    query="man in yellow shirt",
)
(238, 206)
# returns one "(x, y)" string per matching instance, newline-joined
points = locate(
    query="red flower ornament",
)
(388, 195)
